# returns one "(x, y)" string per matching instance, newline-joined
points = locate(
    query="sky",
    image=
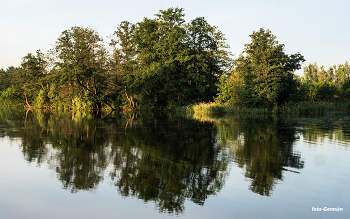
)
(318, 30)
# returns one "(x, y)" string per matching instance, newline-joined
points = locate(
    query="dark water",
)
(77, 165)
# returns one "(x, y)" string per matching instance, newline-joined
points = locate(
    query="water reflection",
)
(162, 159)
(165, 159)
(334, 128)
(264, 148)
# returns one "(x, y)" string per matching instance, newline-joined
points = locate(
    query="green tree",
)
(173, 63)
(230, 88)
(4, 80)
(342, 73)
(34, 73)
(82, 61)
(311, 73)
(160, 57)
(123, 62)
(267, 71)
(11, 85)
(208, 58)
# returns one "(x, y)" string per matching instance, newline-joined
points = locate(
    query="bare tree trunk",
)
(27, 100)
(131, 101)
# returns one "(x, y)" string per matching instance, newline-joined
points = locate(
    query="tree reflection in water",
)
(263, 146)
(167, 161)
(164, 159)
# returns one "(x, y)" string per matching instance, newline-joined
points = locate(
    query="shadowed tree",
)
(81, 62)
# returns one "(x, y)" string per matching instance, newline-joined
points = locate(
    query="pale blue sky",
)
(317, 29)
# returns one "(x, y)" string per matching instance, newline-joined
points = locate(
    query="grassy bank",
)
(290, 108)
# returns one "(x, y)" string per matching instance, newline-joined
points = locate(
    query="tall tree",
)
(4, 80)
(34, 72)
(177, 63)
(208, 57)
(342, 73)
(267, 71)
(123, 61)
(82, 60)
(311, 72)
(160, 57)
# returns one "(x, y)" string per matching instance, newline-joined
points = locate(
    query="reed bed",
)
(290, 108)
(220, 108)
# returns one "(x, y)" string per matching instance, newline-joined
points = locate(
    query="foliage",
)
(345, 88)
(41, 99)
(231, 89)
(165, 63)
(81, 60)
(267, 71)
(321, 91)
(337, 74)
(9, 97)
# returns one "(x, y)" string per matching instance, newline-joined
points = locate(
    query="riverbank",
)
(291, 108)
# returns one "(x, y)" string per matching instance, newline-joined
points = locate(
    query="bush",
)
(320, 91)
(42, 99)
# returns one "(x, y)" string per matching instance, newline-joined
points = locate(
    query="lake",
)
(79, 164)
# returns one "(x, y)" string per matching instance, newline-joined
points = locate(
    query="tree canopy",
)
(264, 74)
(165, 62)
(157, 63)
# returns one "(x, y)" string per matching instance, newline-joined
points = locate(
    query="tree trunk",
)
(131, 101)
(27, 100)
(94, 95)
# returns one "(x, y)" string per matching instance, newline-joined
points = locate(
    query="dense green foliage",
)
(155, 64)
(264, 78)
(264, 74)
(319, 84)
(166, 63)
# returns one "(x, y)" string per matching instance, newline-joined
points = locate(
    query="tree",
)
(160, 55)
(230, 88)
(311, 73)
(342, 73)
(177, 63)
(34, 72)
(4, 80)
(208, 59)
(82, 60)
(11, 81)
(123, 61)
(267, 71)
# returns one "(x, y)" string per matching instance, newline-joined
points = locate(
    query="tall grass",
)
(220, 108)
(314, 107)
(303, 108)
(290, 108)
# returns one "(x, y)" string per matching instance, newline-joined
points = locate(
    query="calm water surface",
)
(76, 165)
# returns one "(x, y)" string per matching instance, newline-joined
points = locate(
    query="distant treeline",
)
(162, 63)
